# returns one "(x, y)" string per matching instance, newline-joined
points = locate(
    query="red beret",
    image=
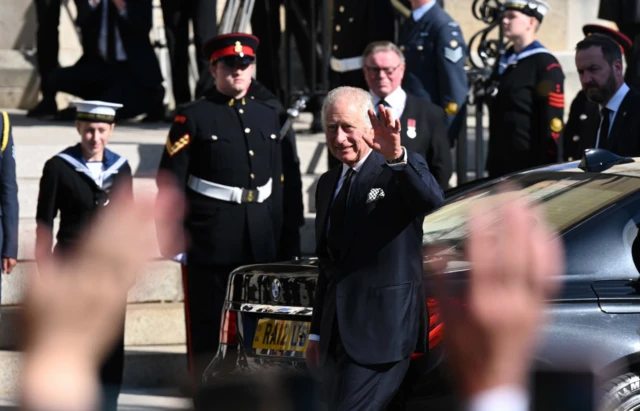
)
(623, 41)
(233, 46)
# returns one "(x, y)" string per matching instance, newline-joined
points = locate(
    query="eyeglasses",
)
(387, 70)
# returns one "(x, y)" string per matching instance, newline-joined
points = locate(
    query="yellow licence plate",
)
(281, 335)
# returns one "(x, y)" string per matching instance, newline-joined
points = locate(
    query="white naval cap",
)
(533, 8)
(97, 111)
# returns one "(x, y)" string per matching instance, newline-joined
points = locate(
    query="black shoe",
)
(157, 109)
(68, 114)
(45, 108)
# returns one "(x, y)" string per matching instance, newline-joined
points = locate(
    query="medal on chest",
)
(411, 128)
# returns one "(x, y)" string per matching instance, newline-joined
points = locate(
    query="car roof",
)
(626, 169)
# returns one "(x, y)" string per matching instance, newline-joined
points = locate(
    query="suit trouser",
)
(111, 374)
(205, 288)
(176, 15)
(47, 42)
(94, 79)
(352, 386)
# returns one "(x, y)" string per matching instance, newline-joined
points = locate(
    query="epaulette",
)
(6, 126)
(265, 103)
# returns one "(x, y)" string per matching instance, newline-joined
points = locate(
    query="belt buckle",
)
(249, 196)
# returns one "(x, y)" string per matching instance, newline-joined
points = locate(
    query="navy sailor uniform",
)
(68, 186)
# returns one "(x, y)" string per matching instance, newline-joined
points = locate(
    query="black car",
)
(595, 320)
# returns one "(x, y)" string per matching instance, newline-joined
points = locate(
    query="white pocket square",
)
(374, 195)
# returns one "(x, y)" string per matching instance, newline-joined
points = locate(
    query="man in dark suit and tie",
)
(599, 64)
(424, 128)
(369, 312)
(118, 63)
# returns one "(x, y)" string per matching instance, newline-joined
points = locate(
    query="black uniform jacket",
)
(526, 114)
(234, 143)
(293, 206)
(374, 289)
(134, 27)
(582, 126)
(357, 23)
(66, 186)
(424, 132)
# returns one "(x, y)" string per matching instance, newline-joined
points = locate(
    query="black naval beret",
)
(623, 41)
(533, 8)
(239, 48)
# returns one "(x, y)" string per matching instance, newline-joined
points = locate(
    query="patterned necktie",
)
(337, 216)
(605, 124)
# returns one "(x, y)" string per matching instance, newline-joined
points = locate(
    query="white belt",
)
(349, 64)
(227, 193)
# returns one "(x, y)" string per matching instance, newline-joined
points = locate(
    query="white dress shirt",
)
(614, 105)
(418, 13)
(121, 55)
(397, 100)
(506, 398)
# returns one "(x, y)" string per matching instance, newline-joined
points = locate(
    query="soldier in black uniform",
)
(525, 122)
(77, 183)
(224, 151)
(584, 116)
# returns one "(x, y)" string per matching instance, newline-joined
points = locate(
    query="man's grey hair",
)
(356, 96)
(378, 46)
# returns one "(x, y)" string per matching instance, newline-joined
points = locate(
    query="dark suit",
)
(176, 15)
(369, 307)
(624, 137)
(430, 138)
(134, 82)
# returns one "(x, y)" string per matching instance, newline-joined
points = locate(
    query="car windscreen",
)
(566, 198)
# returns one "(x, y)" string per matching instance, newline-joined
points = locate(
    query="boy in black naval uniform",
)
(582, 126)
(224, 151)
(77, 183)
(525, 121)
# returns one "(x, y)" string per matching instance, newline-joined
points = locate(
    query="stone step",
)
(144, 368)
(146, 325)
(161, 281)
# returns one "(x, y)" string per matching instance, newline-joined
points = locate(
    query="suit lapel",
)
(356, 201)
(325, 197)
(617, 130)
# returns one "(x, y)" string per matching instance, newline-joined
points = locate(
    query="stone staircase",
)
(154, 335)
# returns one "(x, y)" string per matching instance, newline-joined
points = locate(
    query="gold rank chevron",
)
(172, 149)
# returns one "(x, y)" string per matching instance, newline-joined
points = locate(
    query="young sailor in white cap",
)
(526, 111)
(77, 183)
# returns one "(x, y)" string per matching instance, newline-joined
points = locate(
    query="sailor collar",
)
(111, 161)
(511, 58)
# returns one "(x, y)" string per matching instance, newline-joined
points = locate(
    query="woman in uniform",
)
(526, 112)
(77, 183)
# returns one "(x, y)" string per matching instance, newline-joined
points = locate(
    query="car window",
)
(566, 199)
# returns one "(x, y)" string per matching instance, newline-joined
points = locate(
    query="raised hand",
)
(386, 134)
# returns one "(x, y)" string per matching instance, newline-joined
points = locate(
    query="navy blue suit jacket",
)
(435, 53)
(8, 191)
(375, 289)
